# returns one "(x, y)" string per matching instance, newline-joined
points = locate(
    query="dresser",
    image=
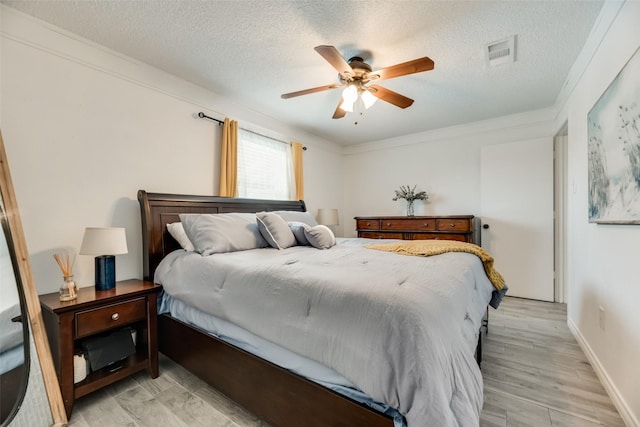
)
(463, 228)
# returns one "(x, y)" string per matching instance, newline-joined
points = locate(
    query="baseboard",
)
(619, 402)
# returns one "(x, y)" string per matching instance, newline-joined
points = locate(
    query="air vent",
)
(501, 52)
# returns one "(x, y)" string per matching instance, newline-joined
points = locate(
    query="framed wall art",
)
(614, 150)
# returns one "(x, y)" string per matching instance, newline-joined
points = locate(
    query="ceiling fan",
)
(356, 77)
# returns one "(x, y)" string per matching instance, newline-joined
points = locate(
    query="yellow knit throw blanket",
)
(437, 247)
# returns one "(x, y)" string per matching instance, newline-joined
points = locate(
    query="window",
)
(265, 168)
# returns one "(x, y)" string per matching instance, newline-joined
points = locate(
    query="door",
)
(517, 207)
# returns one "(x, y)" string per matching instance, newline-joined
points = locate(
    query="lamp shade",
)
(103, 241)
(328, 217)
(368, 99)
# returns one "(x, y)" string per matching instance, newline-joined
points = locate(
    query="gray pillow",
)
(297, 216)
(220, 233)
(275, 230)
(297, 228)
(320, 236)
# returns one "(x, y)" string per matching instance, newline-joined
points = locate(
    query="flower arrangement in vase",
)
(409, 194)
(68, 289)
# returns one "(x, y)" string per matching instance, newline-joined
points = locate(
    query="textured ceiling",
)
(254, 51)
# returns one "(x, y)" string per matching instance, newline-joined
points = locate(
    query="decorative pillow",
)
(297, 216)
(177, 232)
(220, 233)
(320, 236)
(297, 228)
(275, 230)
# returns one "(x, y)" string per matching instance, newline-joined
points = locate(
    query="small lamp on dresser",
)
(105, 243)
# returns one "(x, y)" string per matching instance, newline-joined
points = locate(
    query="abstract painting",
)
(614, 150)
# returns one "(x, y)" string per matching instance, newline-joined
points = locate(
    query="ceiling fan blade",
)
(410, 67)
(390, 96)
(308, 91)
(333, 57)
(339, 113)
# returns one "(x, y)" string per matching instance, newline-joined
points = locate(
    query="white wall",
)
(85, 128)
(602, 263)
(445, 163)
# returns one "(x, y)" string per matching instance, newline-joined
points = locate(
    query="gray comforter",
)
(401, 328)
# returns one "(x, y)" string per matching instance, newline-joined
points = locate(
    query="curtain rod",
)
(204, 116)
(220, 122)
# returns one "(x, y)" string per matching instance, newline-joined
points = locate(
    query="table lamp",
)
(105, 243)
(328, 217)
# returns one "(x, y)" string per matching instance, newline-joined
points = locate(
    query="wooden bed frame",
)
(275, 395)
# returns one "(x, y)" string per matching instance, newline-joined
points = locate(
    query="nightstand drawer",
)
(408, 224)
(453, 225)
(112, 316)
(368, 224)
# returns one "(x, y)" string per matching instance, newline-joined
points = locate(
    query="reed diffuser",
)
(68, 290)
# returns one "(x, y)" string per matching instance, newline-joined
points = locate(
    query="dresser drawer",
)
(452, 225)
(439, 236)
(416, 224)
(112, 316)
(375, 235)
(368, 224)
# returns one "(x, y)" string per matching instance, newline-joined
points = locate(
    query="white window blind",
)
(265, 169)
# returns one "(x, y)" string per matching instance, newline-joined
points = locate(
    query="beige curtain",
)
(298, 170)
(229, 159)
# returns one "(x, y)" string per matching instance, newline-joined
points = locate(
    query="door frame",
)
(560, 189)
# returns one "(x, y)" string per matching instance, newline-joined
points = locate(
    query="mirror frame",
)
(24, 319)
(34, 312)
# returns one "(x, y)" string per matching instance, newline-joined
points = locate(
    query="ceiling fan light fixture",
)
(368, 99)
(347, 106)
(349, 97)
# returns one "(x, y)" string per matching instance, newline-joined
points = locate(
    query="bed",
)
(278, 395)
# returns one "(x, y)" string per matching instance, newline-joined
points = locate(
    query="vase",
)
(410, 208)
(68, 290)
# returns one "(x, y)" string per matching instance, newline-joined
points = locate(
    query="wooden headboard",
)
(159, 209)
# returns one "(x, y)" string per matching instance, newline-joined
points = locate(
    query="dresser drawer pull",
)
(115, 316)
(452, 225)
(368, 224)
(388, 224)
(425, 225)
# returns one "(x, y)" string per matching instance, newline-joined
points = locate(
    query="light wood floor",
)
(535, 374)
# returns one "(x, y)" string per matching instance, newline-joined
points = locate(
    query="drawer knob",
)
(388, 224)
(452, 225)
(425, 225)
(115, 316)
(368, 224)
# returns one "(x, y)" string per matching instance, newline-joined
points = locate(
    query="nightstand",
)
(132, 303)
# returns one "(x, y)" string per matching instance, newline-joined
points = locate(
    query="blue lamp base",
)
(105, 272)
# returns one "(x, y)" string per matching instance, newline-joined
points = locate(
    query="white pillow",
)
(298, 216)
(177, 232)
(320, 236)
(220, 233)
(275, 230)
